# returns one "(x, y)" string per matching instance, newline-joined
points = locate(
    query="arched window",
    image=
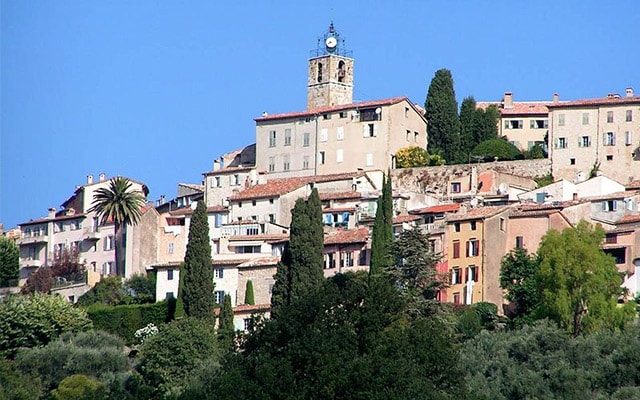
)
(341, 71)
(319, 72)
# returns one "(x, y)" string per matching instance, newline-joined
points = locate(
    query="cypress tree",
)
(300, 270)
(468, 125)
(248, 294)
(382, 236)
(225, 323)
(197, 287)
(441, 112)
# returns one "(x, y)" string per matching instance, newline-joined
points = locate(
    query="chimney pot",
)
(52, 212)
(216, 164)
(89, 179)
(629, 92)
(102, 176)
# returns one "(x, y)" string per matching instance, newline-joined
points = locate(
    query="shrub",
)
(496, 148)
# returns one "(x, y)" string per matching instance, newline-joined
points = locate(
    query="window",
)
(416, 135)
(560, 119)
(585, 118)
(362, 257)
(611, 238)
(347, 259)
(217, 220)
(339, 155)
(502, 222)
(456, 226)
(609, 205)
(287, 137)
(240, 204)
(247, 323)
(471, 274)
(218, 272)
(321, 158)
(519, 242)
(609, 116)
(472, 225)
(217, 181)
(572, 161)
(272, 138)
(456, 298)
(272, 164)
(408, 135)
(609, 139)
(108, 268)
(455, 187)
(343, 114)
(168, 295)
(326, 116)
(628, 115)
(406, 112)
(513, 124)
(456, 276)
(170, 249)
(305, 162)
(219, 295)
(272, 218)
(456, 249)
(538, 124)
(370, 114)
(247, 249)
(170, 274)
(305, 139)
(340, 133)
(324, 134)
(285, 163)
(609, 157)
(473, 248)
(584, 141)
(628, 138)
(369, 130)
(108, 243)
(369, 159)
(561, 143)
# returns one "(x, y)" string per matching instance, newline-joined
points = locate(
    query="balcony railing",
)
(30, 263)
(92, 234)
(436, 227)
(32, 239)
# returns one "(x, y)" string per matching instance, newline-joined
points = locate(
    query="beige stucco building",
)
(596, 135)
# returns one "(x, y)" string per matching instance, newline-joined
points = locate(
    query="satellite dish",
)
(378, 110)
(502, 189)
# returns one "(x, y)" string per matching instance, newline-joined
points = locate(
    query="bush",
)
(496, 148)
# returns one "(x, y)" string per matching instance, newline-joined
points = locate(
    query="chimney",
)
(52, 213)
(162, 199)
(507, 102)
(575, 197)
(89, 179)
(216, 164)
(629, 92)
(101, 176)
(556, 98)
(610, 96)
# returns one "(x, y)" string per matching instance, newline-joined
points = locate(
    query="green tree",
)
(197, 276)
(108, 291)
(301, 267)
(578, 283)
(518, 270)
(535, 152)
(120, 204)
(412, 157)
(142, 288)
(382, 235)
(492, 149)
(79, 387)
(226, 328)
(441, 112)
(486, 122)
(37, 319)
(9, 260)
(468, 127)
(181, 349)
(248, 293)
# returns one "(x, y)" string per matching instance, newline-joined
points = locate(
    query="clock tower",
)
(330, 79)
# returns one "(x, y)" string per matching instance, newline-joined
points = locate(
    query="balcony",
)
(30, 263)
(26, 240)
(433, 228)
(92, 234)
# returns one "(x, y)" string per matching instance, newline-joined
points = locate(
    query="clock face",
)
(331, 42)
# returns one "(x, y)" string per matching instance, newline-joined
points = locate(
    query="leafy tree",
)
(79, 387)
(441, 112)
(544, 180)
(225, 323)
(121, 205)
(496, 148)
(66, 264)
(382, 235)
(412, 156)
(39, 281)
(518, 270)
(16, 385)
(301, 267)
(37, 319)
(486, 122)
(181, 349)
(197, 287)
(578, 283)
(108, 291)
(414, 271)
(248, 293)
(535, 152)
(142, 288)
(9, 260)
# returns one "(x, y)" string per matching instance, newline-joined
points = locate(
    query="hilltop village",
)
(474, 213)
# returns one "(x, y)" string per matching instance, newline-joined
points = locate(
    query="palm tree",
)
(120, 205)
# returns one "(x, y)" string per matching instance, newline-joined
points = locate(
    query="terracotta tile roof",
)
(478, 213)
(440, 208)
(323, 110)
(193, 186)
(340, 195)
(260, 262)
(57, 218)
(342, 236)
(629, 219)
(188, 210)
(229, 170)
(621, 229)
(170, 264)
(633, 185)
(265, 237)
(602, 101)
(616, 195)
(279, 186)
(230, 262)
(519, 107)
(338, 209)
(245, 308)
(404, 218)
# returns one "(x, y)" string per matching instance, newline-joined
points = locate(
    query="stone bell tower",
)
(330, 78)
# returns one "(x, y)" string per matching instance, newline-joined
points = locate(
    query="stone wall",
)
(434, 179)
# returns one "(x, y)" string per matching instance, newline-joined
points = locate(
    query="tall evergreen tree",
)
(441, 112)
(225, 323)
(468, 126)
(301, 267)
(382, 235)
(9, 259)
(248, 293)
(197, 288)
(487, 123)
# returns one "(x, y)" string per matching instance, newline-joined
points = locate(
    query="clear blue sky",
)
(155, 90)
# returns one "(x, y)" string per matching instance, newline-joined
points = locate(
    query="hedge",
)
(125, 320)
